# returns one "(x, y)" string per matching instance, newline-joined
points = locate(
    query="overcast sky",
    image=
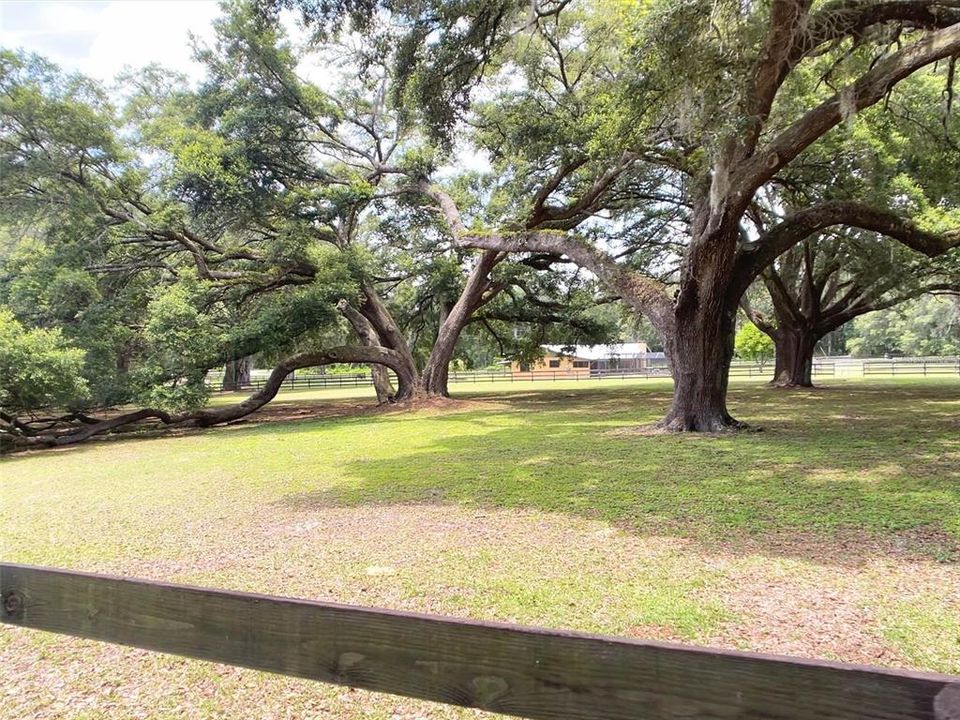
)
(100, 38)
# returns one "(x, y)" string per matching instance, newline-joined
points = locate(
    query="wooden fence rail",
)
(822, 367)
(518, 671)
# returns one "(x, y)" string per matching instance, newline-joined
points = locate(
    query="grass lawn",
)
(833, 533)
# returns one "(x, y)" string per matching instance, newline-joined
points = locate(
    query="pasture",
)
(833, 533)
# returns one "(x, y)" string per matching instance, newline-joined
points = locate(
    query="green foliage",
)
(111, 251)
(39, 369)
(190, 226)
(927, 326)
(753, 345)
(181, 344)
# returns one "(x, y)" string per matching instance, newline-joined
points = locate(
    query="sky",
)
(100, 38)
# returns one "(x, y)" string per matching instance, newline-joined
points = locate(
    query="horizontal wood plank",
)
(526, 672)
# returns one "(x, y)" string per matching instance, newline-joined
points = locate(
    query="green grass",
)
(852, 455)
(536, 507)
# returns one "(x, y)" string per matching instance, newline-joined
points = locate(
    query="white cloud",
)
(101, 38)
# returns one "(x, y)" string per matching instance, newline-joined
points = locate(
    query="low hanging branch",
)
(645, 295)
(218, 416)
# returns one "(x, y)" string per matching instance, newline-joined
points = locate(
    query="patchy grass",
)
(833, 533)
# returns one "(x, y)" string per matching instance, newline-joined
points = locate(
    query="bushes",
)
(39, 369)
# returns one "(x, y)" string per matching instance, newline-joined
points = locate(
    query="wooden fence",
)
(924, 367)
(821, 368)
(306, 381)
(319, 382)
(519, 671)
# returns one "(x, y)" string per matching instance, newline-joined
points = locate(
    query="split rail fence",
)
(821, 368)
(526, 672)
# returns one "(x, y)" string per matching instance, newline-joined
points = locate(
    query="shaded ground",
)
(834, 533)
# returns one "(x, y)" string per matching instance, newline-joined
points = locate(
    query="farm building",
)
(577, 360)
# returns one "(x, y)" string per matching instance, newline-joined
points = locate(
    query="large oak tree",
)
(719, 99)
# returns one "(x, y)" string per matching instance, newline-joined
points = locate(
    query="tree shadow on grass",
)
(849, 473)
(839, 479)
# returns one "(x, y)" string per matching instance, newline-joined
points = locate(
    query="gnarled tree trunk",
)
(700, 351)
(793, 366)
(384, 331)
(437, 369)
(368, 336)
(236, 374)
(700, 339)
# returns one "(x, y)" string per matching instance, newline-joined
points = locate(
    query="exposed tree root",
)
(706, 423)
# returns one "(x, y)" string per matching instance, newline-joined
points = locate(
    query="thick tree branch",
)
(217, 416)
(756, 317)
(805, 223)
(864, 92)
(852, 18)
(645, 295)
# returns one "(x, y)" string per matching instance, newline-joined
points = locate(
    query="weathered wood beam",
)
(527, 672)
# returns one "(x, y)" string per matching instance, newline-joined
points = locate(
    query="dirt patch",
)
(289, 411)
(852, 548)
(648, 430)
(787, 616)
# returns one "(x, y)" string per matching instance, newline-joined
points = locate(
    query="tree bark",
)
(236, 374)
(368, 336)
(793, 366)
(389, 335)
(701, 349)
(700, 340)
(436, 371)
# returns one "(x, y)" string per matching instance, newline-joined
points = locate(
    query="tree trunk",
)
(700, 352)
(700, 342)
(437, 370)
(384, 330)
(369, 337)
(794, 359)
(236, 374)
(436, 374)
(382, 384)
